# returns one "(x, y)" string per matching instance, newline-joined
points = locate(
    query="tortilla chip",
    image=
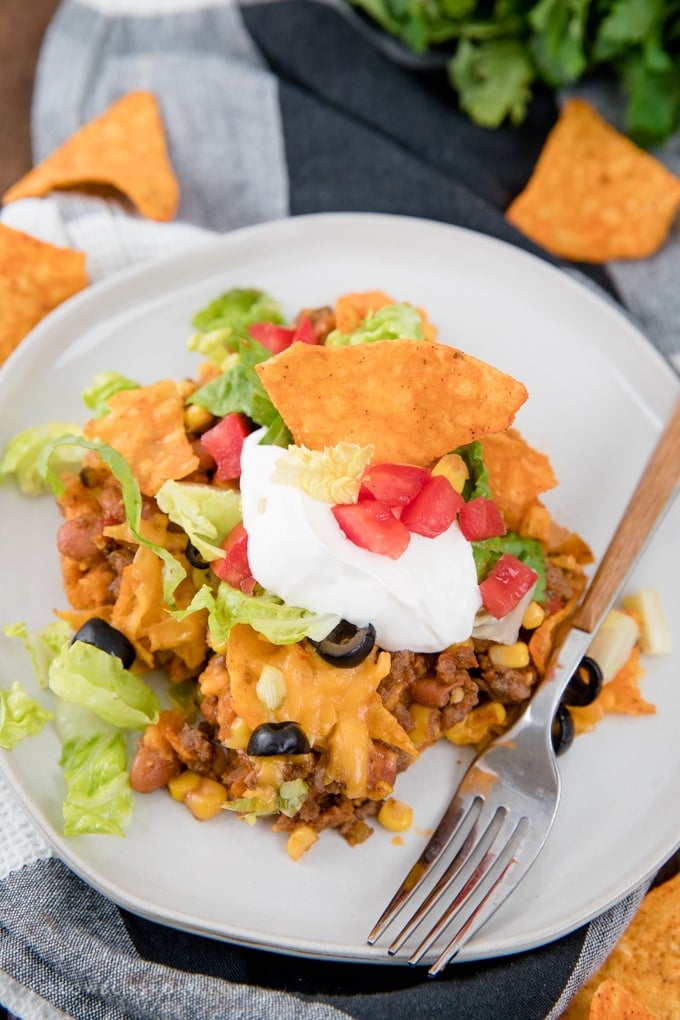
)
(646, 960)
(123, 148)
(35, 277)
(612, 1001)
(146, 425)
(594, 195)
(351, 310)
(413, 400)
(517, 473)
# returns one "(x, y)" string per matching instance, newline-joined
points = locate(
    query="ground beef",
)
(559, 587)
(509, 686)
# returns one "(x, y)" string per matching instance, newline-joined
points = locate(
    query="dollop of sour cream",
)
(424, 601)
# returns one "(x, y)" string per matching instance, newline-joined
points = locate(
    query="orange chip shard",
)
(612, 1001)
(146, 426)
(413, 400)
(35, 277)
(594, 195)
(123, 148)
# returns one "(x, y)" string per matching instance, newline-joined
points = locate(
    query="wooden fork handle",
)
(652, 495)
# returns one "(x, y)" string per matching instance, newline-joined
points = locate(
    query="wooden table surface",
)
(23, 27)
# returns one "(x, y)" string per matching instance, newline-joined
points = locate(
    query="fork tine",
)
(463, 868)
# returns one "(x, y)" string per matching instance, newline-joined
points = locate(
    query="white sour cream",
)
(425, 600)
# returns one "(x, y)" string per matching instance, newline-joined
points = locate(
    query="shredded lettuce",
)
(94, 762)
(86, 676)
(42, 645)
(391, 322)
(223, 323)
(287, 801)
(20, 716)
(477, 483)
(173, 571)
(267, 614)
(292, 795)
(23, 451)
(207, 514)
(239, 387)
(333, 474)
(102, 388)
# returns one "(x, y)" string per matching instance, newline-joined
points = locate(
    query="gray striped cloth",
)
(272, 109)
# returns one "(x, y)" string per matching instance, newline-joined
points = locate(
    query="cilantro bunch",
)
(502, 48)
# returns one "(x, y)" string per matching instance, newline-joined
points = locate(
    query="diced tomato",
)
(305, 332)
(224, 443)
(481, 518)
(434, 509)
(393, 484)
(274, 338)
(372, 525)
(234, 568)
(505, 585)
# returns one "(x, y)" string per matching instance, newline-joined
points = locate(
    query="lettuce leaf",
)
(23, 451)
(42, 645)
(223, 323)
(102, 387)
(94, 762)
(20, 716)
(205, 513)
(86, 676)
(477, 483)
(267, 614)
(391, 322)
(487, 551)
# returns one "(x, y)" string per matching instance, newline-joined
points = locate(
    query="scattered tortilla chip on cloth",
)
(35, 277)
(594, 195)
(612, 1001)
(646, 961)
(413, 400)
(146, 426)
(123, 148)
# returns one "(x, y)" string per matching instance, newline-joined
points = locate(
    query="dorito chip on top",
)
(123, 148)
(594, 195)
(35, 277)
(413, 400)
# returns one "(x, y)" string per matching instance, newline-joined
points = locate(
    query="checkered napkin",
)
(272, 109)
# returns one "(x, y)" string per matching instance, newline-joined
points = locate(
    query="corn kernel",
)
(534, 616)
(421, 734)
(510, 656)
(180, 785)
(197, 419)
(453, 467)
(395, 815)
(478, 725)
(300, 841)
(239, 735)
(206, 799)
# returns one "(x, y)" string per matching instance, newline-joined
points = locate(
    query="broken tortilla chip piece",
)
(413, 400)
(35, 277)
(517, 473)
(123, 148)
(594, 195)
(612, 1001)
(146, 426)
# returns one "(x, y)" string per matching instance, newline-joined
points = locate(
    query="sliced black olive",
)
(195, 558)
(102, 635)
(562, 732)
(346, 645)
(278, 738)
(585, 684)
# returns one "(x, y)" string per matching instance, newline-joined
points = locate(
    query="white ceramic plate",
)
(599, 395)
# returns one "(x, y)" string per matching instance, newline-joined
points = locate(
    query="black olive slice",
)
(102, 635)
(346, 645)
(278, 738)
(195, 558)
(562, 732)
(585, 684)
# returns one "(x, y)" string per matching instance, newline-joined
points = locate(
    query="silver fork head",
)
(488, 839)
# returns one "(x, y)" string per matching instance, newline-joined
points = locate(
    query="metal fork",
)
(504, 809)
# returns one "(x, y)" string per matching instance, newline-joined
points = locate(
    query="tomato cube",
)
(305, 332)
(274, 338)
(481, 518)
(393, 484)
(372, 525)
(508, 581)
(224, 443)
(234, 567)
(434, 509)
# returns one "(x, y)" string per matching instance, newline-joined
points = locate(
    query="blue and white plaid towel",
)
(272, 109)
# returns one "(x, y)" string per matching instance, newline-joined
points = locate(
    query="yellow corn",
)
(453, 467)
(395, 815)
(534, 616)
(300, 840)
(197, 419)
(180, 785)
(206, 800)
(419, 734)
(478, 724)
(510, 656)
(239, 735)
